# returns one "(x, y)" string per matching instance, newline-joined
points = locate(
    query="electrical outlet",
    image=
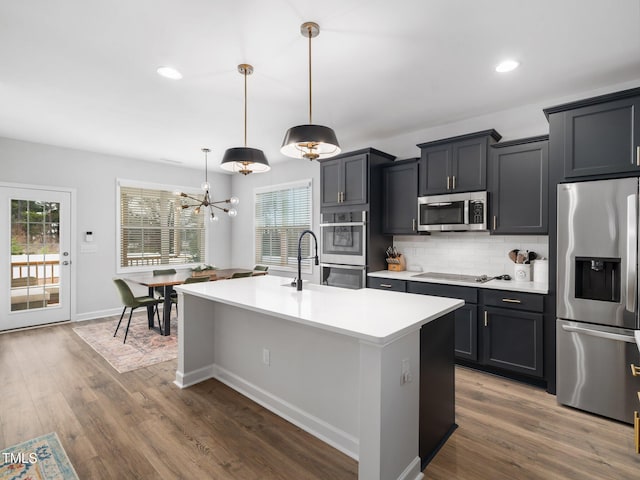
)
(266, 356)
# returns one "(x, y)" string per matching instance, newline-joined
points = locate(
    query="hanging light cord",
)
(245, 107)
(309, 32)
(206, 167)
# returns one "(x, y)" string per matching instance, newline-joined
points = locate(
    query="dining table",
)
(168, 281)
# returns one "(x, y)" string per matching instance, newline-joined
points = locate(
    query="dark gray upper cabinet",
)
(518, 187)
(346, 179)
(601, 135)
(399, 197)
(457, 164)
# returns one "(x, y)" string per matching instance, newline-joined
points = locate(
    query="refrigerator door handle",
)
(632, 257)
(597, 333)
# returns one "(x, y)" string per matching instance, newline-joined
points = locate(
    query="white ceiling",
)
(82, 73)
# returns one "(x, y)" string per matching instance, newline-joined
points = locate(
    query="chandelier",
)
(206, 201)
(310, 141)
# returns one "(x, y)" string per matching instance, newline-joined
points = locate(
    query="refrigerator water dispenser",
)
(598, 278)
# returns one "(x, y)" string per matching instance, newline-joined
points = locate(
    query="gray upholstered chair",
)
(174, 299)
(241, 274)
(133, 302)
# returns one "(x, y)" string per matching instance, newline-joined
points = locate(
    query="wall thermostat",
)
(88, 236)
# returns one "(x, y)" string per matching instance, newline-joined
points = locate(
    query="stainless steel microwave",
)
(453, 212)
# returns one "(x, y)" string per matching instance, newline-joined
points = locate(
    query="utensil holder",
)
(522, 272)
(397, 264)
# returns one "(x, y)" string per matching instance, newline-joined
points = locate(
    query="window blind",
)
(155, 231)
(282, 213)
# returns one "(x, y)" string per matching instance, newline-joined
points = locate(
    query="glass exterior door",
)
(35, 285)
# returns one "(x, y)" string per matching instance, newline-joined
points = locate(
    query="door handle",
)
(385, 285)
(413, 224)
(486, 318)
(632, 239)
(453, 183)
(598, 333)
(495, 222)
(66, 262)
(448, 182)
(635, 371)
(511, 300)
(638, 155)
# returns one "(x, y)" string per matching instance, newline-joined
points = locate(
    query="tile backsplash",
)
(471, 253)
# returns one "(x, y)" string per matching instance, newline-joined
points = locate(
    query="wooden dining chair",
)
(133, 302)
(174, 300)
(261, 268)
(241, 274)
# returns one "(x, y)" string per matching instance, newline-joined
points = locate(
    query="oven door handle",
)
(343, 224)
(347, 267)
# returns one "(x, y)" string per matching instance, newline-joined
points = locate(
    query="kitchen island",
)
(355, 368)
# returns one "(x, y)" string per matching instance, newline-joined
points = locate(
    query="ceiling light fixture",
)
(507, 66)
(206, 200)
(169, 72)
(245, 160)
(310, 141)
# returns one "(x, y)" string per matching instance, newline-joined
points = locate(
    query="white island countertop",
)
(511, 285)
(374, 316)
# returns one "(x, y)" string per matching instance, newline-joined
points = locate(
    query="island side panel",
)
(308, 376)
(389, 409)
(437, 385)
(195, 340)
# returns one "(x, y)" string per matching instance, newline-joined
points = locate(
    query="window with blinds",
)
(153, 230)
(282, 213)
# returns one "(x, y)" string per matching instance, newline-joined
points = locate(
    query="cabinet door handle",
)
(448, 182)
(635, 371)
(638, 155)
(511, 300)
(338, 197)
(453, 183)
(486, 318)
(495, 222)
(413, 224)
(385, 285)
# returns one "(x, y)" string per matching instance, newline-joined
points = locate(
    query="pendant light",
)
(310, 141)
(206, 201)
(245, 160)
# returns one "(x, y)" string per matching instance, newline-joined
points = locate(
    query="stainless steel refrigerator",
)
(597, 297)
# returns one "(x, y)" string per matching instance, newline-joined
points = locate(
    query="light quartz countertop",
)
(370, 315)
(511, 285)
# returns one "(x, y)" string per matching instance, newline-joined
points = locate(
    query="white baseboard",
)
(339, 439)
(80, 317)
(196, 376)
(412, 472)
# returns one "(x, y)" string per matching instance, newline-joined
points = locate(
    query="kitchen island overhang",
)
(343, 365)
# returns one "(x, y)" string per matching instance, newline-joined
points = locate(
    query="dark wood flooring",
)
(140, 425)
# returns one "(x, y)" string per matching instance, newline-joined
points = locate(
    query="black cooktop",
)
(454, 276)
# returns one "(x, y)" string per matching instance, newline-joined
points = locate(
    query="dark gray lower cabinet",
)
(512, 340)
(466, 332)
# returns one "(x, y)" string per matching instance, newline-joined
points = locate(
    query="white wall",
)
(93, 175)
(242, 232)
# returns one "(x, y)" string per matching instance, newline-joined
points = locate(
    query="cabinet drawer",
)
(468, 294)
(515, 300)
(388, 284)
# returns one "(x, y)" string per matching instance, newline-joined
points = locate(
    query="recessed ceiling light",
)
(507, 66)
(169, 72)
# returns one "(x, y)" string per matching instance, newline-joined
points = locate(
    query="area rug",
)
(144, 347)
(41, 458)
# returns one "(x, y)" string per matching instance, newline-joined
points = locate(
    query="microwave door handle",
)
(632, 252)
(466, 212)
